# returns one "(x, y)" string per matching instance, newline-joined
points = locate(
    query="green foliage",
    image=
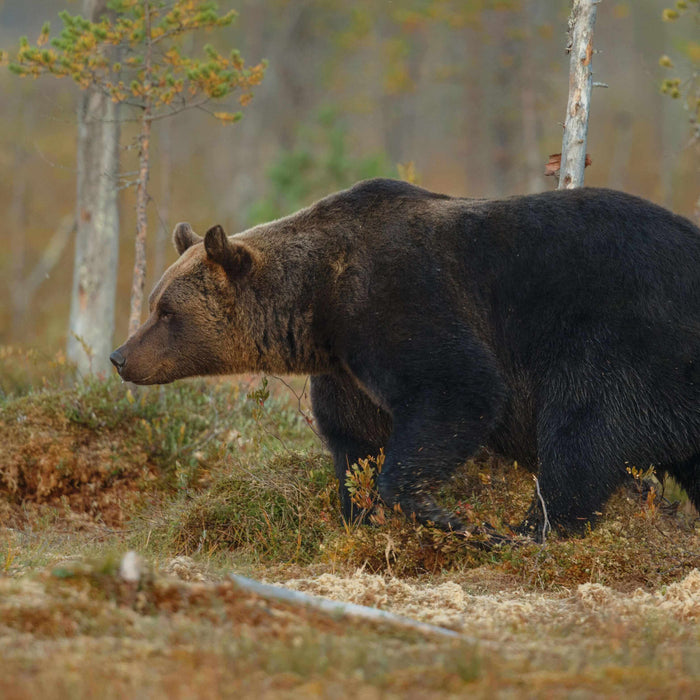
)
(318, 165)
(259, 396)
(117, 55)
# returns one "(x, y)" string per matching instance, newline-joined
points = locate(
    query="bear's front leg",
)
(423, 453)
(443, 412)
(352, 426)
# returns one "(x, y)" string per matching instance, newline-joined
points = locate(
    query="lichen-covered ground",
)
(207, 479)
(81, 631)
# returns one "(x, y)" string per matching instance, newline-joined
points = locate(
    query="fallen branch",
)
(341, 609)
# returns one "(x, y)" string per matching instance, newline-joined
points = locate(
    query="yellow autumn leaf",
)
(228, 117)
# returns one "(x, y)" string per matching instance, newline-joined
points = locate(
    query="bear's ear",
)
(184, 237)
(236, 258)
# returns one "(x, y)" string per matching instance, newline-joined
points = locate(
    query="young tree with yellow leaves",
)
(131, 53)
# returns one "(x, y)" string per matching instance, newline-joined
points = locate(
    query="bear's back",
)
(533, 268)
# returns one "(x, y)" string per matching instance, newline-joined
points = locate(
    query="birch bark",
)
(573, 149)
(139, 276)
(91, 323)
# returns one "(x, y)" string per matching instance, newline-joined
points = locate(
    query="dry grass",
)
(202, 481)
(81, 631)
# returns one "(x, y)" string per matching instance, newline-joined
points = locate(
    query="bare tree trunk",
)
(97, 233)
(573, 149)
(139, 277)
(166, 167)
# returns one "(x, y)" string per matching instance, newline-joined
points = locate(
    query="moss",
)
(279, 508)
(98, 445)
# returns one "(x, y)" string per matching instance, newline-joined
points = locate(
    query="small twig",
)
(546, 527)
(299, 397)
(126, 185)
(258, 421)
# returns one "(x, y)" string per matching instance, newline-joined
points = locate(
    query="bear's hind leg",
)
(352, 426)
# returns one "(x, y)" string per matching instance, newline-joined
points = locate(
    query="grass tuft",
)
(278, 509)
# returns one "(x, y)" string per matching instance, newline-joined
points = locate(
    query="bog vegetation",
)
(206, 478)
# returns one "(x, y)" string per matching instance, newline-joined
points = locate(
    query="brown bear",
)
(561, 329)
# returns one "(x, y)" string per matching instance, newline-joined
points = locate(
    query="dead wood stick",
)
(341, 609)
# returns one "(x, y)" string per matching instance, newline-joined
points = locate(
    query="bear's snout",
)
(118, 360)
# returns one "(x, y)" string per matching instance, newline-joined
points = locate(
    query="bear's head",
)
(197, 323)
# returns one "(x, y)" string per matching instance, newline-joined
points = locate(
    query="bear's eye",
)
(165, 314)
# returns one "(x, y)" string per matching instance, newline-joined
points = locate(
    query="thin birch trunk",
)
(573, 149)
(91, 323)
(166, 167)
(139, 276)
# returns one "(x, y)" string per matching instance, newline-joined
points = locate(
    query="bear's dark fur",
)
(561, 329)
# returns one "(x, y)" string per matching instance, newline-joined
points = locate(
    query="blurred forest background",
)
(466, 96)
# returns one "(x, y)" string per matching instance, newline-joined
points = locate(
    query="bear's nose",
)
(117, 359)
